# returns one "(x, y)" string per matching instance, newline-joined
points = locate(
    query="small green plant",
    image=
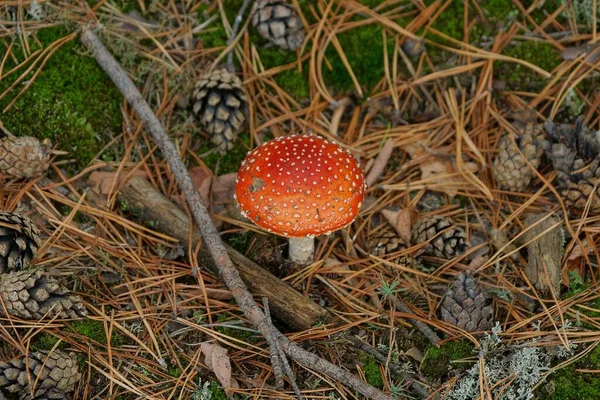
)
(208, 391)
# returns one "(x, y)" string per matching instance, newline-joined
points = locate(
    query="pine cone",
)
(220, 105)
(446, 240)
(510, 168)
(467, 305)
(278, 22)
(31, 295)
(575, 155)
(19, 242)
(24, 157)
(41, 375)
(385, 242)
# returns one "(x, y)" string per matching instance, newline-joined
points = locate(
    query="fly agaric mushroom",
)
(300, 187)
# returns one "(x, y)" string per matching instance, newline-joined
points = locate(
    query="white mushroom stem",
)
(302, 250)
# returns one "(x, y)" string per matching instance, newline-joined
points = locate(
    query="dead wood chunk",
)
(31, 295)
(220, 105)
(19, 241)
(278, 22)
(40, 375)
(24, 157)
(467, 304)
(544, 253)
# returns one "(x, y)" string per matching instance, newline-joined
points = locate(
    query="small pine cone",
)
(24, 157)
(278, 22)
(575, 155)
(467, 305)
(41, 375)
(385, 242)
(31, 295)
(19, 241)
(510, 168)
(446, 240)
(219, 103)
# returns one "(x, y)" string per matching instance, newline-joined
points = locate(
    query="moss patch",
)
(572, 385)
(363, 48)
(544, 55)
(72, 101)
(46, 341)
(370, 368)
(438, 360)
(95, 331)
(229, 162)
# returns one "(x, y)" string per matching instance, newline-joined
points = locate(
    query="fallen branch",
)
(212, 240)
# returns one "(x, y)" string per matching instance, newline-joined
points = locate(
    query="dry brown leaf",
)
(380, 162)
(415, 354)
(199, 175)
(443, 174)
(401, 221)
(217, 360)
(222, 189)
(579, 252)
(102, 182)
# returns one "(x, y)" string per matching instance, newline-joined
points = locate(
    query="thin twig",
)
(425, 330)
(282, 360)
(229, 274)
(275, 353)
(234, 30)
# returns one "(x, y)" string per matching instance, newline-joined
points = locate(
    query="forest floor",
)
(424, 90)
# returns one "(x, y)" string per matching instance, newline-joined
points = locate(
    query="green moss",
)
(541, 54)
(450, 22)
(576, 285)
(371, 370)
(437, 360)
(217, 392)
(363, 47)
(174, 371)
(241, 334)
(71, 101)
(95, 331)
(231, 161)
(46, 341)
(572, 385)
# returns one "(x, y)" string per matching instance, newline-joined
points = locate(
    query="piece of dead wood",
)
(288, 305)
(544, 238)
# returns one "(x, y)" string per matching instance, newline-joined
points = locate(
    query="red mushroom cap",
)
(299, 186)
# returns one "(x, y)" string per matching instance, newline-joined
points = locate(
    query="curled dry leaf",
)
(415, 354)
(102, 182)
(402, 221)
(217, 360)
(221, 188)
(380, 162)
(443, 176)
(580, 250)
